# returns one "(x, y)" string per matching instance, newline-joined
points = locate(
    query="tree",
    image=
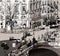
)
(10, 13)
(52, 9)
(10, 17)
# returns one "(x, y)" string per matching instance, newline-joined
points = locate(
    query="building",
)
(22, 15)
(44, 10)
(25, 16)
(35, 11)
(2, 15)
(17, 10)
(25, 13)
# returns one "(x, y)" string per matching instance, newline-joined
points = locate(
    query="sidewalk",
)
(6, 36)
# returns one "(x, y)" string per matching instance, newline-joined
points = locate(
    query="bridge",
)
(26, 50)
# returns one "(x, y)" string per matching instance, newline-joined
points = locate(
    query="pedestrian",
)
(34, 40)
(20, 46)
(42, 37)
(38, 38)
(16, 42)
(29, 44)
(10, 54)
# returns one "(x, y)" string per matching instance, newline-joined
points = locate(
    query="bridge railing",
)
(15, 53)
(27, 49)
(24, 51)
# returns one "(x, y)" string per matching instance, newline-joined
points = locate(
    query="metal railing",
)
(15, 53)
(24, 51)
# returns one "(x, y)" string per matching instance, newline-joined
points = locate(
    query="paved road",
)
(4, 52)
(6, 36)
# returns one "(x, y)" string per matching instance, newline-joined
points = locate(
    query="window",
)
(16, 9)
(16, 0)
(33, 6)
(48, 16)
(0, 0)
(51, 15)
(0, 8)
(33, 0)
(45, 3)
(36, 5)
(1, 26)
(23, 0)
(57, 2)
(8, 0)
(22, 17)
(15, 17)
(1, 17)
(45, 11)
(48, 10)
(23, 9)
(30, 0)
(30, 7)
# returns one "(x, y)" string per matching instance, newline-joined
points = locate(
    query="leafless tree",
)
(11, 11)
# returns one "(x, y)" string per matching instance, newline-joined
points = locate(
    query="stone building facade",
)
(45, 10)
(26, 12)
(2, 15)
(19, 10)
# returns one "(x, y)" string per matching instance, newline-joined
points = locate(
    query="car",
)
(54, 26)
(42, 27)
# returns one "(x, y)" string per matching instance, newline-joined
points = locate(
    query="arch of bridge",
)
(49, 48)
(43, 52)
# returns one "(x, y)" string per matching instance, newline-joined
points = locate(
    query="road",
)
(6, 36)
(4, 52)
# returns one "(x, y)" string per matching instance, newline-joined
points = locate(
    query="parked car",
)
(42, 27)
(54, 26)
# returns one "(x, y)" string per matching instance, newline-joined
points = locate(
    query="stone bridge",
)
(38, 46)
(46, 46)
(56, 50)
